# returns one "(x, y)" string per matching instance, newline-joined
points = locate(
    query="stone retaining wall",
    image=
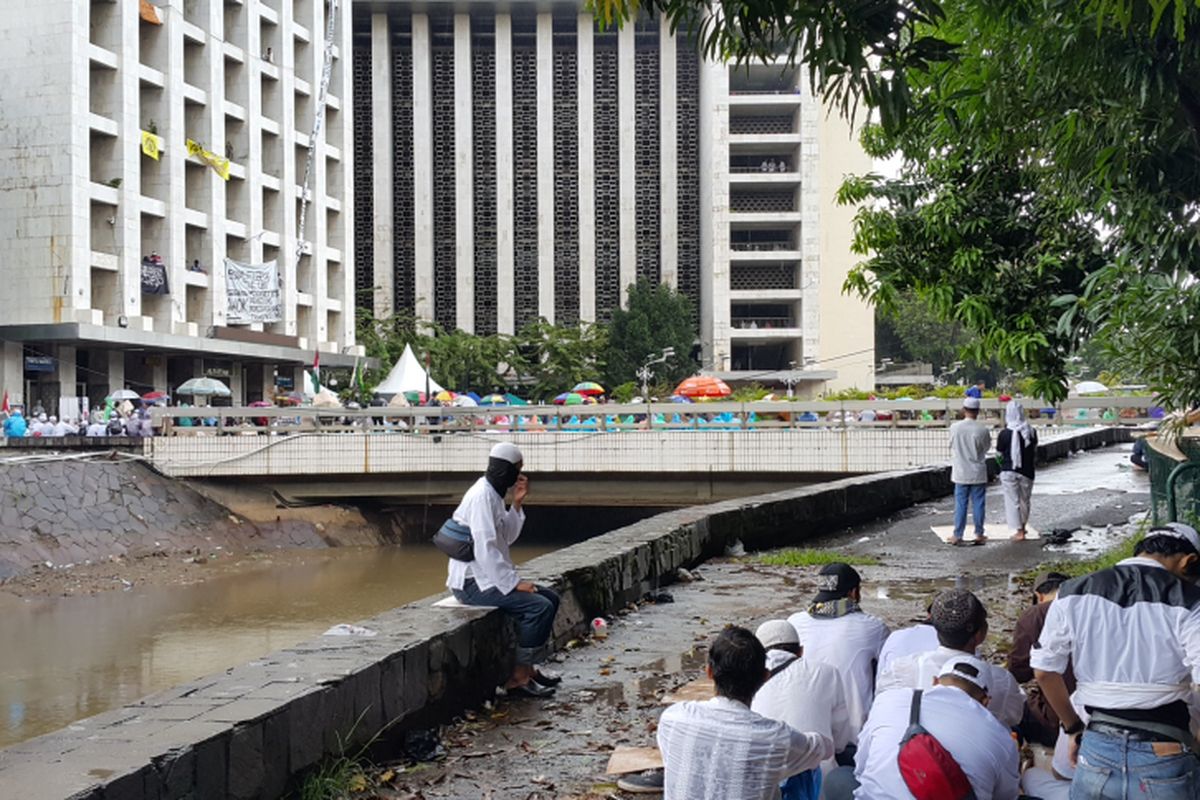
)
(247, 732)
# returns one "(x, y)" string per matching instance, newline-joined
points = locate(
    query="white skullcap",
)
(967, 668)
(776, 632)
(507, 451)
(971, 403)
(1178, 530)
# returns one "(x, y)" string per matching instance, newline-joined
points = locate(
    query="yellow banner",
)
(219, 164)
(151, 145)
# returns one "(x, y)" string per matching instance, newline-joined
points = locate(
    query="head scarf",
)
(1022, 434)
(504, 467)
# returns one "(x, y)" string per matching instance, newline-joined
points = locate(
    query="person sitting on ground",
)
(962, 625)
(954, 710)
(919, 638)
(806, 695)
(116, 425)
(1138, 457)
(491, 579)
(97, 428)
(1132, 635)
(1017, 446)
(38, 428)
(836, 631)
(15, 426)
(50, 428)
(719, 749)
(1040, 723)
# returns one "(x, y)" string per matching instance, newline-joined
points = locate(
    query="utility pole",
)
(645, 373)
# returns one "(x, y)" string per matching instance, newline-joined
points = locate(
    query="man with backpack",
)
(939, 743)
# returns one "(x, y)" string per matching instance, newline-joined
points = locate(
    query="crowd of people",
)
(831, 704)
(124, 420)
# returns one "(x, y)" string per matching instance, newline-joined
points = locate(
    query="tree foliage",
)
(656, 317)
(556, 357)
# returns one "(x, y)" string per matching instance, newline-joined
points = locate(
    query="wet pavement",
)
(610, 694)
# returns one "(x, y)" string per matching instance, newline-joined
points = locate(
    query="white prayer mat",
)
(699, 689)
(995, 532)
(626, 759)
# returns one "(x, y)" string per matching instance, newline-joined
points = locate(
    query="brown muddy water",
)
(66, 658)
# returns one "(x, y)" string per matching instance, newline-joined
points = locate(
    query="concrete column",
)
(237, 383)
(383, 264)
(626, 141)
(12, 372)
(116, 370)
(423, 165)
(586, 73)
(67, 373)
(464, 177)
(714, 215)
(505, 257)
(128, 226)
(668, 159)
(158, 374)
(545, 165)
(268, 382)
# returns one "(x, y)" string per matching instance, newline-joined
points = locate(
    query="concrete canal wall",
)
(246, 733)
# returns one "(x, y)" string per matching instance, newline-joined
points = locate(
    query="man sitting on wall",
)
(721, 750)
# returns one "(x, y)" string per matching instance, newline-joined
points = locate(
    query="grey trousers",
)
(1017, 490)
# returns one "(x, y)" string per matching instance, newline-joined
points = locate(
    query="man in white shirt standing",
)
(807, 695)
(954, 712)
(836, 631)
(960, 620)
(969, 445)
(1131, 633)
(721, 750)
(491, 578)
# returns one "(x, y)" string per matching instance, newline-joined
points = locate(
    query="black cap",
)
(835, 582)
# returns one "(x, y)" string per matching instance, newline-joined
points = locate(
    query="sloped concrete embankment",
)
(71, 512)
(248, 732)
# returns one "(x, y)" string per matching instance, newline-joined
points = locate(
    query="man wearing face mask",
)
(1132, 634)
(491, 578)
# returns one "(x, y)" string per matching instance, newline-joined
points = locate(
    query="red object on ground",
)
(703, 386)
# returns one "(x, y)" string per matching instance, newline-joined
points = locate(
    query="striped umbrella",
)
(588, 388)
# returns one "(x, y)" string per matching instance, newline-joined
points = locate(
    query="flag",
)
(219, 164)
(4, 405)
(355, 378)
(151, 144)
(316, 370)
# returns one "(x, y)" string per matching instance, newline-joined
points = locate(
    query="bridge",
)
(646, 454)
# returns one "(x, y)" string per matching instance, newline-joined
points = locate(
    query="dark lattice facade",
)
(761, 124)
(749, 202)
(525, 233)
(403, 212)
(608, 154)
(566, 181)
(483, 102)
(364, 192)
(445, 268)
(687, 104)
(648, 154)
(759, 277)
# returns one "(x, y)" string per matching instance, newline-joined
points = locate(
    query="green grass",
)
(805, 557)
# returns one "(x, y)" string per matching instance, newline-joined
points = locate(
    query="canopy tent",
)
(407, 376)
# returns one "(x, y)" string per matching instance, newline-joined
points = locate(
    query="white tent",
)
(407, 376)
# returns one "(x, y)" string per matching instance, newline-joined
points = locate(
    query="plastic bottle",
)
(599, 628)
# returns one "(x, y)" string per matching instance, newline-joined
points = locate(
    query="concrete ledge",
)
(246, 733)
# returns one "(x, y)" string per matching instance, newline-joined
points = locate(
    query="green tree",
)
(461, 361)
(926, 336)
(656, 317)
(553, 358)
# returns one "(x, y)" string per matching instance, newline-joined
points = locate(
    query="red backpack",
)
(928, 769)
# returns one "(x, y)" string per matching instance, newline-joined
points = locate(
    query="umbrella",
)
(262, 404)
(1090, 387)
(415, 397)
(124, 394)
(493, 400)
(474, 396)
(569, 399)
(513, 400)
(445, 396)
(399, 401)
(462, 401)
(204, 387)
(588, 388)
(703, 386)
(154, 396)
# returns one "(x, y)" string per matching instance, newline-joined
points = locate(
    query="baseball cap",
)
(835, 582)
(775, 632)
(967, 668)
(506, 451)
(1051, 577)
(971, 403)
(1177, 530)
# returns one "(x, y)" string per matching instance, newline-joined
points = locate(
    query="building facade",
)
(515, 162)
(92, 89)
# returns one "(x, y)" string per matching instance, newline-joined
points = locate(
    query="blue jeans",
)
(805, 786)
(1115, 768)
(840, 784)
(975, 492)
(533, 611)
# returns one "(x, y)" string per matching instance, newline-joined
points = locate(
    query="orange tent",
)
(703, 386)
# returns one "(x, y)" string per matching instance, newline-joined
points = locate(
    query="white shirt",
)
(850, 644)
(969, 444)
(721, 750)
(63, 429)
(493, 529)
(981, 745)
(97, 429)
(906, 642)
(1007, 701)
(1131, 632)
(808, 696)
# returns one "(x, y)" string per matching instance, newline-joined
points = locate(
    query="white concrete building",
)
(515, 161)
(81, 204)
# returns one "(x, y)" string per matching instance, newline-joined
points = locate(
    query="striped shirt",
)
(1132, 633)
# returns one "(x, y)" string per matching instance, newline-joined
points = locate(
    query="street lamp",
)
(644, 373)
(792, 379)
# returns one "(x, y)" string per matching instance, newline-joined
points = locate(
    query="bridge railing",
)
(612, 417)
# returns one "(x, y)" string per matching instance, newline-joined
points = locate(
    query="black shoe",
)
(648, 782)
(531, 689)
(550, 679)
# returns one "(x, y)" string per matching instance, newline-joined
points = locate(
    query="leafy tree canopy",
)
(656, 317)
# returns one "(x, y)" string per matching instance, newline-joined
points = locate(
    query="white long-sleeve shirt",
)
(493, 529)
(918, 671)
(920, 638)
(849, 644)
(981, 745)
(807, 695)
(721, 750)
